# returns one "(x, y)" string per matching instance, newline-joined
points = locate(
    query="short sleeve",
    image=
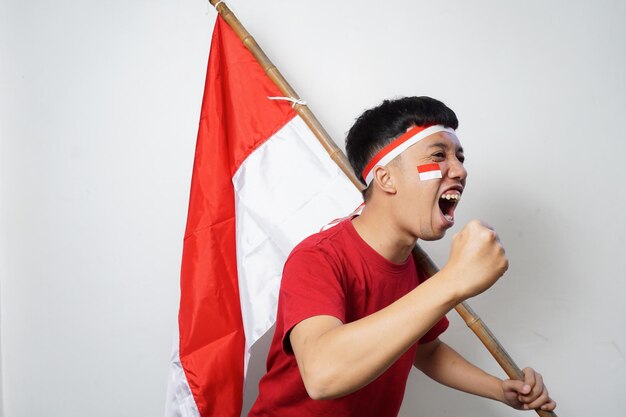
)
(311, 286)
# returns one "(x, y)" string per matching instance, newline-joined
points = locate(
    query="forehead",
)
(443, 140)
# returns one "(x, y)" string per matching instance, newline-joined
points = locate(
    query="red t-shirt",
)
(336, 273)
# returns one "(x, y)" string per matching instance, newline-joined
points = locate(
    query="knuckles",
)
(478, 242)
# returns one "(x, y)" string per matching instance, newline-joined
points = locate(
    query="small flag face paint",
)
(429, 172)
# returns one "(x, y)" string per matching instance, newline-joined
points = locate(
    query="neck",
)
(378, 229)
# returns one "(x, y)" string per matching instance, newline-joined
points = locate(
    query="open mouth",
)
(447, 203)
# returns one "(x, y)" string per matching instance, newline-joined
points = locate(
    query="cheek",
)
(429, 172)
(419, 189)
(423, 195)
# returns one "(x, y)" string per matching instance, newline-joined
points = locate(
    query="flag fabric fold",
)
(261, 182)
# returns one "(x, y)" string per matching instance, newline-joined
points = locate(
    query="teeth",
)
(448, 217)
(455, 197)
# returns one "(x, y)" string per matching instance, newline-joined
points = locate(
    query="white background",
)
(99, 108)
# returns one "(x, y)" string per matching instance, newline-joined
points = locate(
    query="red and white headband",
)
(399, 145)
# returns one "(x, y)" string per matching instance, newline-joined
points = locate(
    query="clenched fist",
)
(476, 261)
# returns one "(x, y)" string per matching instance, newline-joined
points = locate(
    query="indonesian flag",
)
(429, 172)
(261, 183)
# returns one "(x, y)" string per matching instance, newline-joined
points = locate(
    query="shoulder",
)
(328, 244)
(326, 255)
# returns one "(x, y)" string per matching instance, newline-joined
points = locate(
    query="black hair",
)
(377, 127)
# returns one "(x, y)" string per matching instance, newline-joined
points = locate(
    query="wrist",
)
(498, 391)
(453, 295)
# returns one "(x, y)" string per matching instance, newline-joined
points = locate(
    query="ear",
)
(384, 180)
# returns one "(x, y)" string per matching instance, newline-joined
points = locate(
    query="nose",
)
(456, 170)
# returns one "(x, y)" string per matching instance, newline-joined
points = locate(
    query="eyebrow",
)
(444, 146)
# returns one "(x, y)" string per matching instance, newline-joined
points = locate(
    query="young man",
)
(354, 312)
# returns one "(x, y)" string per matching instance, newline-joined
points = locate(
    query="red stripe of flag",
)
(427, 168)
(236, 118)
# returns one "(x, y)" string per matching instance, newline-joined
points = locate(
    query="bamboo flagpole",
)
(473, 321)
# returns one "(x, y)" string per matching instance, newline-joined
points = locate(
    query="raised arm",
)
(336, 359)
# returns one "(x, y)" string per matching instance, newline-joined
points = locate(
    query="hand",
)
(477, 259)
(529, 394)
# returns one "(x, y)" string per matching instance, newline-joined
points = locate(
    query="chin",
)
(434, 236)
(435, 229)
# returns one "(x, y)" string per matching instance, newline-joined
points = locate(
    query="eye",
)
(461, 158)
(439, 155)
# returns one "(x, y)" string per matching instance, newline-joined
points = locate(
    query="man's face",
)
(426, 207)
